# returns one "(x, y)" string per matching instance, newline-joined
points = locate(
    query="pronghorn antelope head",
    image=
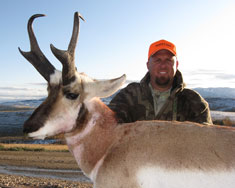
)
(67, 91)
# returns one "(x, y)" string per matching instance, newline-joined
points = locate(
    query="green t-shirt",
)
(159, 98)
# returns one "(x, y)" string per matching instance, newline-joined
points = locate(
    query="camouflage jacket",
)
(135, 102)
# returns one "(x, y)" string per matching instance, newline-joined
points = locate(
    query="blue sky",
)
(116, 36)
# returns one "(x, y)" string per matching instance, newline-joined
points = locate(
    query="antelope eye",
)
(71, 96)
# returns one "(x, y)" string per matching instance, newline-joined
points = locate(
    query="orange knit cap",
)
(161, 45)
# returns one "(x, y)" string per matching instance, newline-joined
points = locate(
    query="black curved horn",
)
(67, 58)
(35, 55)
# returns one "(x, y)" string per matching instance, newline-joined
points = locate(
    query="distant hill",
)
(219, 99)
(220, 92)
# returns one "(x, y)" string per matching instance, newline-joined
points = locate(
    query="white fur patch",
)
(40, 134)
(56, 77)
(63, 122)
(150, 177)
(90, 125)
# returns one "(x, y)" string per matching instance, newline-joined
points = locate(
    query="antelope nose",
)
(30, 127)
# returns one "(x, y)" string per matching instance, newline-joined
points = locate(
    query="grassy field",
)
(38, 156)
(33, 147)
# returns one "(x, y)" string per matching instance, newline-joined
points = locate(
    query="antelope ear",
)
(104, 88)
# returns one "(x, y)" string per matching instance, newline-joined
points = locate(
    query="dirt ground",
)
(38, 160)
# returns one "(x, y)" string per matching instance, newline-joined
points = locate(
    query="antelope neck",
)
(95, 137)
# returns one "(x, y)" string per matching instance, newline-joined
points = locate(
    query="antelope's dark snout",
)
(36, 120)
(30, 126)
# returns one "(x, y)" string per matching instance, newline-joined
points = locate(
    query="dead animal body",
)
(143, 154)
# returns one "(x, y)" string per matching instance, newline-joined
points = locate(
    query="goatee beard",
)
(162, 81)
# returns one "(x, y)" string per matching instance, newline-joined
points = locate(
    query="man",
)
(161, 94)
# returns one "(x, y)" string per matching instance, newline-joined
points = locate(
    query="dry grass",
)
(33, 147)
(228, 122)
(224, 122)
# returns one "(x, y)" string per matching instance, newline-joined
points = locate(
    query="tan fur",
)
(177, 146)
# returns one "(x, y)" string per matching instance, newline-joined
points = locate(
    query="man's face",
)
(162, 67)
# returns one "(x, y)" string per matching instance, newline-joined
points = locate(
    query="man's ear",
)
(147, 65)
(177, 64)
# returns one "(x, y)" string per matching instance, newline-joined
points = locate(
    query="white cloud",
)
(211, 46)
(22, 92)
(208, 78)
